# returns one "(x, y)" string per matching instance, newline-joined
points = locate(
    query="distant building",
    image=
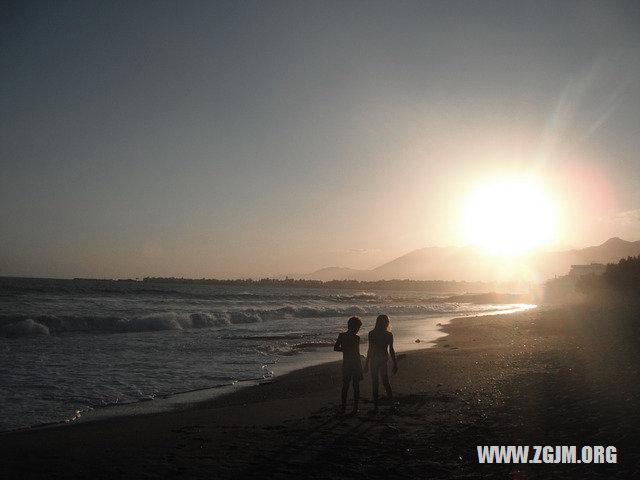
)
(591, 269)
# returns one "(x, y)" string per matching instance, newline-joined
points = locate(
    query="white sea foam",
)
(21, 325)
(24, 328)
(68, 347)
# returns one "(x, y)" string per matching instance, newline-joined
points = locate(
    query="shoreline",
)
(532, 378)
(186, 400)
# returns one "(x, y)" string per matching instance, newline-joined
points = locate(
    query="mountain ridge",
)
(470, 264)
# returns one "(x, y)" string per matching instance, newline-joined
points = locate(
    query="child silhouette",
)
(380, 341)
(349, 344)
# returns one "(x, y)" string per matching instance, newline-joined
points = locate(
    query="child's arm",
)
(338, 346)
(366, 362)
(393, 354)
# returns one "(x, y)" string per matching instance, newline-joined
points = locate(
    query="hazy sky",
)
(228, 139)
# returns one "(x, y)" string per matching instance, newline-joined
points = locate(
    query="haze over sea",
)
(69, 346)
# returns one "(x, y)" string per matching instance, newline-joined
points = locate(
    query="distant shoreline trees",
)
(622, 277)
(435, 286)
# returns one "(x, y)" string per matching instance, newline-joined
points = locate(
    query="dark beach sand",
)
(553, 376)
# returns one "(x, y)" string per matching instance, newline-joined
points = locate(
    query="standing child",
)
(349, 344)
(380, 341)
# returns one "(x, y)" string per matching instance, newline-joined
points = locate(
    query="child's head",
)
(354, 324)
(382, 323)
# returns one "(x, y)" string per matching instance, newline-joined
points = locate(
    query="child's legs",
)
(345, 389)
(374, 381)
(356, 392)
(385, 380)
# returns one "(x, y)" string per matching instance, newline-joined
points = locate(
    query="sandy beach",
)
(196, 197)
(552, 376)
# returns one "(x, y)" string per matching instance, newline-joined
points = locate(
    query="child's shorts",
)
(352, 370)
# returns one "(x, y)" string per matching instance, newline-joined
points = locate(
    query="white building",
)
(591, 269)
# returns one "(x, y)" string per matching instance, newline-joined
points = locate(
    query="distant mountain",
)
(611, 251)
(435, 263)
(552, 264)
(336, 273)
(470, 264)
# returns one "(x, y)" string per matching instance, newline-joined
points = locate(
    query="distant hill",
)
(470, 264)
(336, 273)
(442, 263)
(553, 264)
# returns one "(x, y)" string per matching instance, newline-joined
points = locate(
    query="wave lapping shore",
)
(71, 346)
(550, 376)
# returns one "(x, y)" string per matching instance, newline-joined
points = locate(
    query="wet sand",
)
(552, 376)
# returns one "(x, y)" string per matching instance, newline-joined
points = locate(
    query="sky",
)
(249, 139)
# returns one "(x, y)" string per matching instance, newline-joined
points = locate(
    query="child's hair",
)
(382, 323)
(354, 323)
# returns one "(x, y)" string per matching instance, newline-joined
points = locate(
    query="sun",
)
(509, 216)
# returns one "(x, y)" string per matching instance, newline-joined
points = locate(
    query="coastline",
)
(416, 333)
(532, 378)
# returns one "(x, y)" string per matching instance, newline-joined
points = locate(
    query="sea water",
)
(71, 346)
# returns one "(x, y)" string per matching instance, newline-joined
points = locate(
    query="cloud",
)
(364, 251)
(628, 217)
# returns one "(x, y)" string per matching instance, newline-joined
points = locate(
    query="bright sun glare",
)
(509, 216)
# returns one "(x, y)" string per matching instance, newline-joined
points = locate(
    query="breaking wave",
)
(23, 326)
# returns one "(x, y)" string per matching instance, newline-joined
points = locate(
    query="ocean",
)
(68, 347)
